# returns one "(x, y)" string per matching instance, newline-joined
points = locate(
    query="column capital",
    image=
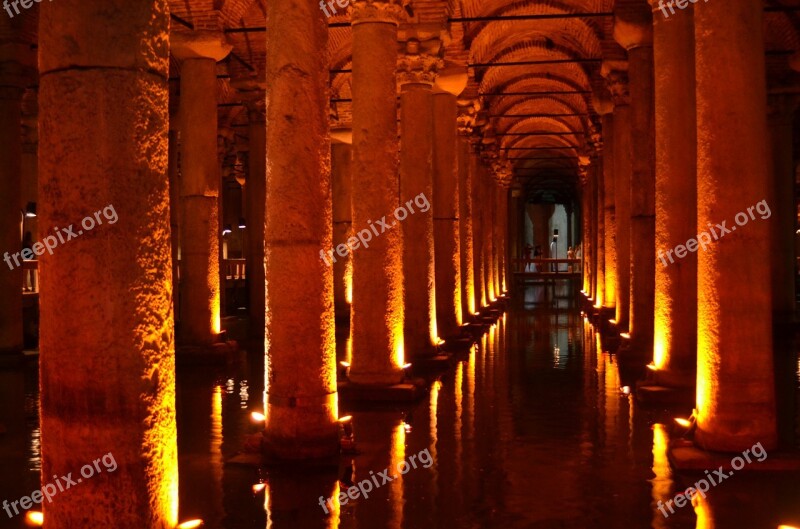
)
(465, 119)
(503, 172)
(253, 94)
(378, 11)
(199, 45)
(616, 75)
(419, 62)
(633, 26)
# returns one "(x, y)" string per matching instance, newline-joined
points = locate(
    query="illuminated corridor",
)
(399, 263)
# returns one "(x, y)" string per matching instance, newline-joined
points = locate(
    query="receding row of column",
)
(686, 149)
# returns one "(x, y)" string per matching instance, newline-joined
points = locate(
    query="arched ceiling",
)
(533, 66)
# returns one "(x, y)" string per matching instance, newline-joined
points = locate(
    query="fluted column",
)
(617, 78)
(417, 68)
(377, 311)
(465, 176)
(675, 322)
(199, 322)
(735, 389)
(11, 84)
(107, 362)
(447, 243)
(633, 30)
(300, 363)
(256, 189)
(341, 168)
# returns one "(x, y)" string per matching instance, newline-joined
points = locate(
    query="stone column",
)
(416, 75)
(501, 237)
(200, 186)
(107, 363)
(447, 243)
(608, 209)
(486, 194)
(598, 218)
(491, 233)
(376, 320)
(781, 114)
(11, 84)
(478, 210)
(675, 322)
(465, 176)
(300, 363)
(633, 30)
(256, 189)
(735, 388)
(616, 75)
(341, 167)
(587, 233)
(173, 171)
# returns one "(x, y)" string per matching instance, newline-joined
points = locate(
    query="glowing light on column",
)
(705, 518)
(396, 493)
(662, 480)
(348, 280)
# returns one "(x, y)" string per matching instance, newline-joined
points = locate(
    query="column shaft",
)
(598, 218)
(465, 176)
(642, 192)
(341, 167)
(735, 388)
(107, 363)
(256, 189)
(675, 322)
(622, 200)
(376, 322)
(301, 397)
(10, 218)
(416, 184)
(609, 212)
(200, 183)
(447, 244)
(478, 211)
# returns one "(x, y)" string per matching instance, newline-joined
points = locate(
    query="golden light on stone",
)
(686, 423)
(258, 487)
(662, 472)
(191, 524)
(34, 519)
(258, 417)
(348, 281)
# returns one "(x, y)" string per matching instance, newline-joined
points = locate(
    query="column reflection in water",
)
(662, 480)
(396, 493)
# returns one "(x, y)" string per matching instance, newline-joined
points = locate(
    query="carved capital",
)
(616, 76)
(199, 45)
(377, 11)
(418, 63)
(633, 26)
(503, 172)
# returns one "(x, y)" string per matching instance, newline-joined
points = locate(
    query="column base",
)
(650, 393)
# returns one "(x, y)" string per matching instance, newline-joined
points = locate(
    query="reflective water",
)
(530, 430)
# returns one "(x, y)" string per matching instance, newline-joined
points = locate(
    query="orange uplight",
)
(652, 367)
(788, 527)
(686, 423)
(258, 417)
(344, 364)
(258, 487)
(34, 519)
(346, 418)
(191, 524)
(625, 335)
